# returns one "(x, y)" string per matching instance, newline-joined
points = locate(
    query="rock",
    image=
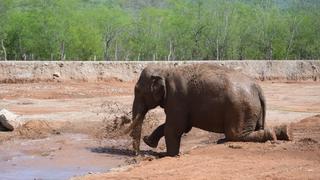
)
(235, 146)
(56, 75)
(239, 68)
(9, 120)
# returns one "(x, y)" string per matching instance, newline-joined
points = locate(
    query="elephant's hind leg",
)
(260, 125)
(255, 136)
(248, 125)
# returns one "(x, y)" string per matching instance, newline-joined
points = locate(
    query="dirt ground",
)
(72, 129)
(299, 159)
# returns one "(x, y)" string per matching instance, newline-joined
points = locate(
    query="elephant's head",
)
(149, 92)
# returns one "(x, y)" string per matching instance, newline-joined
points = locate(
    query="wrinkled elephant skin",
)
(209, 97)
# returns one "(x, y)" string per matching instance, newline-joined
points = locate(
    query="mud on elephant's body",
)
(208, 97)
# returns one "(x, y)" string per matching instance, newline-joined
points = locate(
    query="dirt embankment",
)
(36, 71)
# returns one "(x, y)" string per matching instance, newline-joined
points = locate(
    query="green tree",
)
(4, 7)
(159, 30)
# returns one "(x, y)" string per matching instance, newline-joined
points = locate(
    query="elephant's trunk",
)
(136, 128)
(137, 121)
(139, 111)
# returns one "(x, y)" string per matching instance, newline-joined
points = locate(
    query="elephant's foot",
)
(221, 141)
(269, 135)
(283, 132)
(150, 143)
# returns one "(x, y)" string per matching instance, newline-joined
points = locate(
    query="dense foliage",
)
(159, 29)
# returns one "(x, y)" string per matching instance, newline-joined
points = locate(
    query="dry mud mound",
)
(35, 129)
(51, 71)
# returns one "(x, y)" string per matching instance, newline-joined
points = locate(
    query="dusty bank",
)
(34, 71)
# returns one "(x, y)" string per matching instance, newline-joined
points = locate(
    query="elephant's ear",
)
(158, 88)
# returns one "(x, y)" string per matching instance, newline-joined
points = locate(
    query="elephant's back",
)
(212, 80)
(218, 94)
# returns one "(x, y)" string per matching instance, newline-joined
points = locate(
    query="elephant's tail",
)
(282, 132)
(262, 122)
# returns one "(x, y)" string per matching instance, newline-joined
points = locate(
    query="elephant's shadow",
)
(124, 152)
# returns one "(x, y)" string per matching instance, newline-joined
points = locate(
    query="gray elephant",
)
(206, 96)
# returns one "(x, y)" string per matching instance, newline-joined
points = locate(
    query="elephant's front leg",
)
(175, 126)
(155, 136)
(173, 138)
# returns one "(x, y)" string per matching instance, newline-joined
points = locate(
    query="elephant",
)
(207, 96)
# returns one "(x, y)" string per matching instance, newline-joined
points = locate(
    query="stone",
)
(56, 75)
(9, 120)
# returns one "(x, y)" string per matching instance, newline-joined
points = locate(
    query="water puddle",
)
(56, 157)
(25, 173)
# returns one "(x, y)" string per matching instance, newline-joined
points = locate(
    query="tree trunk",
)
(269, 51)
(105, 53)
(20, 49)
(154, 57)
(116, 52)
(24, 56)
(291, 38)
(127, 56)
(170, 51)
(4, 50)
(217, 45)
(62, 56)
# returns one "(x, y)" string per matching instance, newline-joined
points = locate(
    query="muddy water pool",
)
(57, 157)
